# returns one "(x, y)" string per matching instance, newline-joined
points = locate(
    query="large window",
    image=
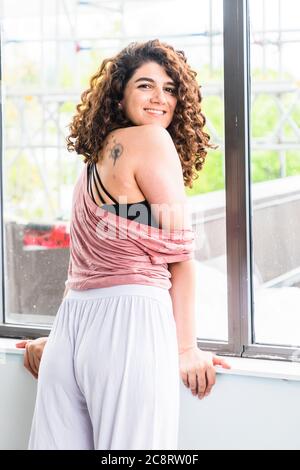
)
(245, 202)
(275, 165)
(49, 51)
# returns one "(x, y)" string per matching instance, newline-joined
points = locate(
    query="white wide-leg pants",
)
(109, 374)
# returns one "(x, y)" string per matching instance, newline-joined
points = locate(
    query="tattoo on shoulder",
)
(116, 150)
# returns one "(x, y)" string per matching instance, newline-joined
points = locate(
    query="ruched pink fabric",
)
(107, 249)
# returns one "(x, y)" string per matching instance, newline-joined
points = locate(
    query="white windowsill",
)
(240, 366)
(264, 368)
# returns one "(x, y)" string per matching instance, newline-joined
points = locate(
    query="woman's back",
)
(125, 198)
(116, 168)
(106, 249)
(141, 164)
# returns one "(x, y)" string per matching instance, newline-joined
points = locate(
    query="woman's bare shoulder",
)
(136, 141)
(146, 137)
(140, 132)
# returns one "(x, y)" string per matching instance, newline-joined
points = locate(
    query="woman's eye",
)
(172, 90)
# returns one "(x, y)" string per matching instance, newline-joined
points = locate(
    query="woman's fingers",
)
(202, 383)
(193, 382)
(33, 353)
(27, 359)
(27, 364)
(218, 361)
(211, 379)
(21, 344)
(30, 360)
(36, 363)
(184, 377)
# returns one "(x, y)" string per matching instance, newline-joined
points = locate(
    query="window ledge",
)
(8, 345)
(272, 369)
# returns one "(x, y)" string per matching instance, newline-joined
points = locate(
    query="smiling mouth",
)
(155, 112)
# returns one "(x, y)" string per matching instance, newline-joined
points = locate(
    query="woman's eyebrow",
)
(151, 80)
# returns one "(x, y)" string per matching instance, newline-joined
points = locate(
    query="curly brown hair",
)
(98, 113)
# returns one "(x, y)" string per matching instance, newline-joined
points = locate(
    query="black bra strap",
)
(89, 188)
(100, 197)
(100, 182)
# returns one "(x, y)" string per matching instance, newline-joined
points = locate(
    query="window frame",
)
(237, 109)
(10, 330)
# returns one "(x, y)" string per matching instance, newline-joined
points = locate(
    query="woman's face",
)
(150, 96)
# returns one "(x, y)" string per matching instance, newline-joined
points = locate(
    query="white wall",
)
(17, 396)
(243, 412)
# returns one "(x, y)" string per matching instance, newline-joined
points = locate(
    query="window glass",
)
(275, 170)
(49, 52)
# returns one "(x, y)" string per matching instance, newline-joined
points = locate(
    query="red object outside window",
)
(48, 236)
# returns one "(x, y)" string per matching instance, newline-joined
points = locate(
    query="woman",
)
(109, 374)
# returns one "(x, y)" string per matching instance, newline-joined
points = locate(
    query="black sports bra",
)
(137, 211)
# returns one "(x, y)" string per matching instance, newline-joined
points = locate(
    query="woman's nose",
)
(158, 95)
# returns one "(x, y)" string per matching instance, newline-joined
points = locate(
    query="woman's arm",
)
(196, 366)
(158, 173)
(183, 293)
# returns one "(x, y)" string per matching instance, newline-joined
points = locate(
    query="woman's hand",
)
(197, 370)
(33, 354)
